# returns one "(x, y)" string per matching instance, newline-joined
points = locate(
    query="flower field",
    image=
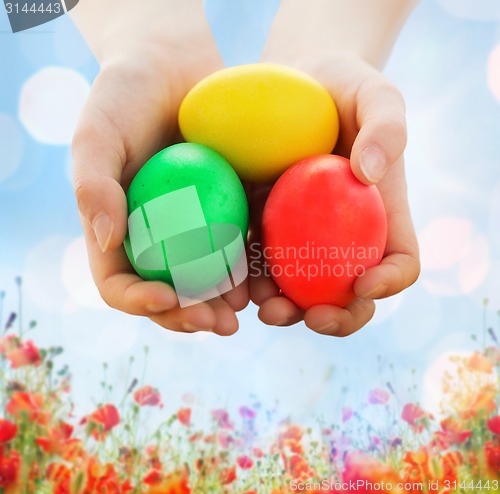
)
(47, 446)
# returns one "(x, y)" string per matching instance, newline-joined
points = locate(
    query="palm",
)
(355, 88)
(130, 115)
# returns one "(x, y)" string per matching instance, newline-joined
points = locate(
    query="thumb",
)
(382, 137)
(99, 157)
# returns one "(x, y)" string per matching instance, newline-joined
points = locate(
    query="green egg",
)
(188, 218)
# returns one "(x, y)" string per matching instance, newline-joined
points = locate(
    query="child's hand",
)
(373, 136)
(151, 54)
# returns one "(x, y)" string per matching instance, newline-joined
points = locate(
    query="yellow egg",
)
(262, 118)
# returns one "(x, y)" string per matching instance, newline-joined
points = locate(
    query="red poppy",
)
(174, 483)
(9, 468)
(291, 438)
(102, 420)
(104, 478)
(244, 462)
(227, 475)
(298, 468)
(147, 396)
(359, 466)
(8, 430)
(492, 454)
(257, 452)
(19, 352)
(59, 475)
(26, 404)
(57, 439)
(153, 477)
(184, 416)
(415, 416)
(494, 424)
(450, 435)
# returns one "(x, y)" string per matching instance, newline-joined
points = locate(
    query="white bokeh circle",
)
(100, 335)
(42, 269)
(441, 367)
(11, 144)
(494, 72)
(50, 104)
(77, 278)
(455, 258)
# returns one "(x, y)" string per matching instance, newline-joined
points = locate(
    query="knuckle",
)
(80, 187)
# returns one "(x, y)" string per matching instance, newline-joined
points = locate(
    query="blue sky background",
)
(445, 64)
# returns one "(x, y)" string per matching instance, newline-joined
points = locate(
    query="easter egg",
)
(261, 117)
(321, 229)
(188, 216)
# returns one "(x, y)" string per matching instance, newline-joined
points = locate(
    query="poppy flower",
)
(9, 468)
(8, 430)
(147, 396)
(494, 424)
(227, 475)
(184, 416)
(29, 405)
(244, 462)
(415, 416)
(102, 420)
(20, 353)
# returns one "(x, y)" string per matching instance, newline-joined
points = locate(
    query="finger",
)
(280, 311)
(336, 321)
(226, 322)
(99, 158)
(120, 287)
(238, 297)
(380, 116)
(213, 316)
(199, 317)
(400, 266)
(261, 286)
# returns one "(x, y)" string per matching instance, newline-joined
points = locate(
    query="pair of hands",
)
(131, 114)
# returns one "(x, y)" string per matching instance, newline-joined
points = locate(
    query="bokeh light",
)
(42, 270)
(50, 104)
(455, 258)
(77, 278)
(99, 335)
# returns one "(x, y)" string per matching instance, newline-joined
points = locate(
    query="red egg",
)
(321, 229)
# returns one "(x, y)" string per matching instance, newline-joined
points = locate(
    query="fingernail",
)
(332, 327)
(376, 292)
(191, 328)
(373, 163)
(156, 308)
(103, 229)
(282, 322)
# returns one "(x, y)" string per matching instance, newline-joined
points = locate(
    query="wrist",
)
(361, 28)
(115, 28)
